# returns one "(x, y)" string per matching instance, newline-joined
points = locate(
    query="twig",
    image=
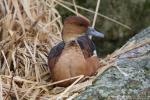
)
(122, 72)
(11, 83)
(27, 92)
(54, 83)
(96, 12)
(63, 94)
(34, 60)
(1, 89)
(12, 74)
(73, 96)
(75, 7)
(67, 7)
(19, 79)
(6, 61)
(99, 14)
(147, 41)
(15, 90)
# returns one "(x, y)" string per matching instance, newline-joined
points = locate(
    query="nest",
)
(29, 28)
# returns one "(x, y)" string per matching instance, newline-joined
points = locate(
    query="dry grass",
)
(29, 28)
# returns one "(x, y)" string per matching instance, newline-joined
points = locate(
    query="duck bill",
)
(92, 32)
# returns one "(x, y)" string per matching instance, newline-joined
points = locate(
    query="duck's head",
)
(76, 26)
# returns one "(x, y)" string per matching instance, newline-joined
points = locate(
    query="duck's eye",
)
(80, 24)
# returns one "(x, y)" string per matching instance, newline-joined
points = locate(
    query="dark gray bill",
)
(91, 31)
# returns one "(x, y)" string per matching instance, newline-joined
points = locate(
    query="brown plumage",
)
(74, 55)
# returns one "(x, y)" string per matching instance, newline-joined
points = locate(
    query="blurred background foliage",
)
(133, 13)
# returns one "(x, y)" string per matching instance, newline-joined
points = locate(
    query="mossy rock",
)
(112, 84)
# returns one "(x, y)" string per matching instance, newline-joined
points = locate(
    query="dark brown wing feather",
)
(54, 54)
(86, 45)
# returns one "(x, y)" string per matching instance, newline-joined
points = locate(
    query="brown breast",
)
(74, 59)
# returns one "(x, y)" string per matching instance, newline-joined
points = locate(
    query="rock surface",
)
(113, 85)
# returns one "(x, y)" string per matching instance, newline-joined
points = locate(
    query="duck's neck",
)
(71, 43)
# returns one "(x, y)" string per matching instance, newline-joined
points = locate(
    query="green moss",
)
(147, 73)
(133, 84)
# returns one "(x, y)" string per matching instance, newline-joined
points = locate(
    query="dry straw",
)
(29, 28)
